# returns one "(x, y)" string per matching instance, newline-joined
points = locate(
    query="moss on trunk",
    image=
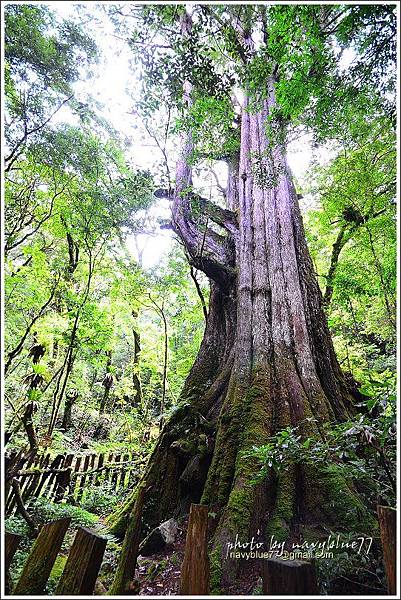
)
(266, 362)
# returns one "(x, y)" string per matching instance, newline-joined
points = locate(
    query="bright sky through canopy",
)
(114, 85)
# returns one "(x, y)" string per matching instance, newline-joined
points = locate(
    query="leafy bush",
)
(16, 524)
(44, 511)
(347, 572)
(362, 448)
(102, 499)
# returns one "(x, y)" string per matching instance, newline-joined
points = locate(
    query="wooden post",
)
(129, 552)
(107, 471)
(83, 564)
(52, 482)
(80, 486)
(99, 475)
(12, 542)
(388, 528)
(123, 472)
(21, 507)
(34, 479)
(115, 471)
(39, 480)
(289, 577)
(41, 559)
(92, 462)
(10, 461)
(195, 570)
(130, 471)
(63, 479)
(72, 496)
(32, 461)
(23, 482)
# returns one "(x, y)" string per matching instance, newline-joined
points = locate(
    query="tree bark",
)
(266, 362)
(195, 570)
(41, 559)
(337, 247)
(129, 553)
(83, 564)
(107, 383)
(27, 421)
(12, 541)
(70, 400)
(289, 577)
(135, 376)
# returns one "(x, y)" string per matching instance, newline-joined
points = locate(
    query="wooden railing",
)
(67, 476)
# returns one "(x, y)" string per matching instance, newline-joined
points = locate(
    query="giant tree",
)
(266, 361)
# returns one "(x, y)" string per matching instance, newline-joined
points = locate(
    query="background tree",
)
(71, 197)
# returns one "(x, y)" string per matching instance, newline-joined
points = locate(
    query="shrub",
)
(44, 511)
(102, 499)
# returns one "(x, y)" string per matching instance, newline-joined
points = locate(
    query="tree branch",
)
(221, 216)
(12, 157)
(199, 290)
(18, 348)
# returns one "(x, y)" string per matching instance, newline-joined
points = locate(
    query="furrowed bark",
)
(266, 362)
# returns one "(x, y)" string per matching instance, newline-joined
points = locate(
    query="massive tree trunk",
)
(285, 372)
(266, 362)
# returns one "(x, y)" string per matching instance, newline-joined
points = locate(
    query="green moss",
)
(185, 446)
(58, 567)
(311, 534)
(333, 496)
(279, 524)
(191, 445)
(216, 571)
(221, 471)
(244, 424)
(117, 522)
(55, 574)
(254, 433)
(155, 569)
(240, 506)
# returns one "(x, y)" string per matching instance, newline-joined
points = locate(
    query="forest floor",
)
(159, 574)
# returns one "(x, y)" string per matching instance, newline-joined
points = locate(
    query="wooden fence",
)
(68, 476)
(85, 557)
(81, 567)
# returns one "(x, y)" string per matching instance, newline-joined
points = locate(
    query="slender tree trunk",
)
(107, 384)
(27, 421)
(135, 376)
(165, 359)
(70, 400)
(337, 247)
(17, 350)
(388, 296)
(160, 311)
